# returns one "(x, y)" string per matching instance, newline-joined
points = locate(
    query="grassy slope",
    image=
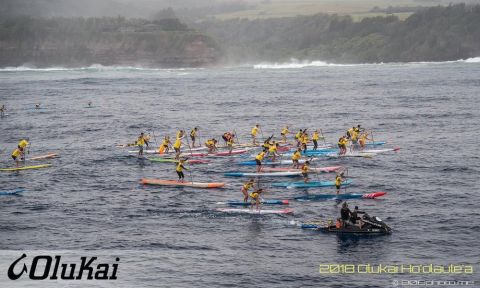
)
(358, 9)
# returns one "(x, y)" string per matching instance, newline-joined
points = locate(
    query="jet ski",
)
(364, 225)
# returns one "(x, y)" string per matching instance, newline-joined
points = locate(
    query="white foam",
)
(296, 64)
(93, 67)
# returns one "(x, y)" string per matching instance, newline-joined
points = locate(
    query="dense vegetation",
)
(431, 34)
(107, 41)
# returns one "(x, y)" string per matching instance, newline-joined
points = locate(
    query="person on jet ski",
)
(345, 213)
(354, 216)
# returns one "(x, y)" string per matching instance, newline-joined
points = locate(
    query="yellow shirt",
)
(296, 156)
(140, 141)
(338, 180)
(193, 133)
(180, 167)
(285, 131)
(260, 156)
(254, 131)
(350, 131)
(165, 143)
(272, 149)
(179, 134)
(254, 195)
(178, 143)
(23, 143)
(230, 142)
(354, 135)
(298, 135)
(248, 185)
(315, 136)
(305, 169)
(363, 139)
(305, 139)
(17, 152)
(209, 143)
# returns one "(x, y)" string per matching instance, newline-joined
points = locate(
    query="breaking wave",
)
(295, 64)
(91, 68)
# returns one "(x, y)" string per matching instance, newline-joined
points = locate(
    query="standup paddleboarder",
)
(305, 169)
(179, 170)
(247, 186)
(295, 157)
(193, 136)
(17, 155)
(141, 140)
(255, 195)
(284, 133)
(254, 133)
(258, 160)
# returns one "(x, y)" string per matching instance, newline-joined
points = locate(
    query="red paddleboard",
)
(373, 195)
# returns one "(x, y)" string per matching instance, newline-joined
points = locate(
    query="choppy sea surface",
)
(90, 202)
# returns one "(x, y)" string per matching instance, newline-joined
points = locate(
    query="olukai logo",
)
(45, 267)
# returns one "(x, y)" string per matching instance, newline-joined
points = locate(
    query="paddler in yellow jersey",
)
(349, 132)
(255, 195)
(354, 139)
(342, 145)
(266, 144)
(273, 151)
(315, 137)
(211, 144)
(305, 169)
(259, 159)
(179, 170)
(230, 142)
(254, 133)
(338, 182)
(298, 137)
(295, 157)
(17, 155)
(24, 145)
(193, 136)
(284, 134)
(176, 146)
(180, 134)
(363, 140)
(141, 140)
(165, 146)
(304, 139)
(245, 187)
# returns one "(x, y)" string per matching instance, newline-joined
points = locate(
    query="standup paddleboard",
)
(264, 174)
(48, 156)
(318, 197)
(25, 167)
(11, 192)
(264, 202)
(255, 211)
(311, 184)
(310, 169)
(175, 183)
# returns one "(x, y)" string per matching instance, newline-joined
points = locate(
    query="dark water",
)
(90, 202)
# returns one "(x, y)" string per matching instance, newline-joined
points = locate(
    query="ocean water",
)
(90, 202)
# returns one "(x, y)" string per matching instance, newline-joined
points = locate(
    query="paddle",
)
(371, 133)
(324, 141)
(154, 138)
(190, 148)
(191, 153)
(236, 136)
(316, 172)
